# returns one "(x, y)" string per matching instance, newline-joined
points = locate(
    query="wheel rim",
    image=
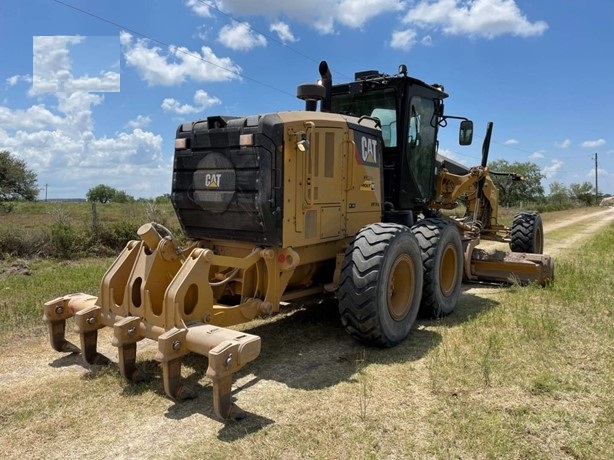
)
(447, 270)
(401, 287)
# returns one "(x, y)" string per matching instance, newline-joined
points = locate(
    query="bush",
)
(116, 234)
(6, 206)
(63, 237)
(14, 243)
(551, 207)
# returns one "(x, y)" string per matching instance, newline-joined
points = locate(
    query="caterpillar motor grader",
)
(288, 206)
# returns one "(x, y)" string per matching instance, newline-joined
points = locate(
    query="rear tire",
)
(381, 284)
(442, 260)
(527, 233)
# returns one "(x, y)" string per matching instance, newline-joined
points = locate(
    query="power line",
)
(177, 49)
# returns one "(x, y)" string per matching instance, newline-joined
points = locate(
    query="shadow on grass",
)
(71, 359)
(470, 306)
(304, 348)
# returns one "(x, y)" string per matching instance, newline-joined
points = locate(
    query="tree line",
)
(530, 190)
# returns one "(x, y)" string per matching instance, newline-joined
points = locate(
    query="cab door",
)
(420, 152)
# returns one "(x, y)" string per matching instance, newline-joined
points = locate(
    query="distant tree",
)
(104, 194)
(166, 198)
(122, 197)
(559, 194)
(528, 190)
(584, 193)
(17, 182)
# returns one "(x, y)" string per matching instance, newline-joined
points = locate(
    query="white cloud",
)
(536, 155)
(356, 13)
(478, 18)
(51, 62)
(59, 145)
(201, 8)
(107, 82)
(566, 143)
(77, 108)
(176, 65)
(125, 39)
(77, 164)
(13, 80)
(511, 142)
(137, 147)
(239, 36)
(141, 121)
(322, 15)
(283, 32)
(403, 39)
(202, 101)
(593, 144)
(551, 170)
(74, 117)
(52, 68)
(43, 150)
(33, 118)
(601, 171)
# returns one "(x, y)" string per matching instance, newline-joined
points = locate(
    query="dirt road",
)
(578, 226)
(52, 406)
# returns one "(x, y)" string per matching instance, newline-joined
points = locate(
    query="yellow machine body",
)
(296, 208)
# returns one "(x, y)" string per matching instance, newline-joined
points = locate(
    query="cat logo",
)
(367, 149)
(212, 180)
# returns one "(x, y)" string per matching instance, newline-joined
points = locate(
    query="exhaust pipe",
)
(327, 82)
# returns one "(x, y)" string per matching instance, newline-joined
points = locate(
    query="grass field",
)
(39, 215)
(517, 372)
(67, 230)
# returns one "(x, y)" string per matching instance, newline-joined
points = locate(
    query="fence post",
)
(94, 219)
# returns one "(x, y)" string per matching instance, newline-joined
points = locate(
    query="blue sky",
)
(94, 96)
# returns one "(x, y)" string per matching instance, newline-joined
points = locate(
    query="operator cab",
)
(409, 113)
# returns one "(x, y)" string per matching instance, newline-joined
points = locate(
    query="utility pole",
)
(596, 183)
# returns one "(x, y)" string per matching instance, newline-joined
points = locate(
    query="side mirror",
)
(465, 133)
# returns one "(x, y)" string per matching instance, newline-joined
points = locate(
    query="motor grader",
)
(283, 207)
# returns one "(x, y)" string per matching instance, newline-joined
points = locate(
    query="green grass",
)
(26, 285)
(537, 369)
(515, 372)
(41, 214)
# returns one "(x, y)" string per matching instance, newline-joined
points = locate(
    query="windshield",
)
(377, 104)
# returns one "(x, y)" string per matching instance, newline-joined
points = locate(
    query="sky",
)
(92, 91)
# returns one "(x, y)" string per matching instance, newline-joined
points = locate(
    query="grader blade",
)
(501, 267)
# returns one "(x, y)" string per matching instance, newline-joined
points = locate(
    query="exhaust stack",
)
(327, 83)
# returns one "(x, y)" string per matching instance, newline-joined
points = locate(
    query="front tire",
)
(527, 233)
(381, 284)
(442, 259)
